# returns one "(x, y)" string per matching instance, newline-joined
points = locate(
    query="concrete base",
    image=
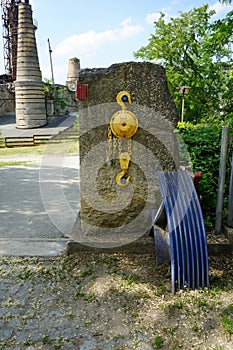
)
(144, 245)
(32, 247)
(56, 247)
(228, 232)
(219, 249)
(32, 124)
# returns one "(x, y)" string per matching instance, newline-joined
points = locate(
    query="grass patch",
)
(227, 319)
(129, 279)
(22, 150)
(157, 342)
(176, 305)
(14, 163)
(74, 147)
(48, 148)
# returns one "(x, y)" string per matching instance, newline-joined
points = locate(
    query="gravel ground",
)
(111, 301)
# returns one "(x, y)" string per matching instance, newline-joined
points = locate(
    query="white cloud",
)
(88, 43)
(175, 2)
(88, 46)
(154, 16)
(220, 10)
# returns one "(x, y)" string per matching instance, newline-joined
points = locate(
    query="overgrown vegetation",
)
(54, 92)
(196, 51)
(227, 320)
(203, 142)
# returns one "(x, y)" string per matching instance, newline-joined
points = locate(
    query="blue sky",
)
(100, 32)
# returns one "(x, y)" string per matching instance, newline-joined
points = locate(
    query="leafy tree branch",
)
(195, 51)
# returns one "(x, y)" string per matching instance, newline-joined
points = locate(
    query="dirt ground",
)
(111, 301)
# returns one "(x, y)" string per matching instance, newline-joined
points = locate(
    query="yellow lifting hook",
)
(124, 163)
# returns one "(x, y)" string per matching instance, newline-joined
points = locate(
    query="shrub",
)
(203, 142)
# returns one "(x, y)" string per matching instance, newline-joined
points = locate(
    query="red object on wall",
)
(82, 91)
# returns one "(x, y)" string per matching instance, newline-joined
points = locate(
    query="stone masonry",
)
(112, 215)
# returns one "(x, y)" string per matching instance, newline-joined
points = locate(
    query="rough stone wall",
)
(54, 109)
(112, 215)
(7, 101)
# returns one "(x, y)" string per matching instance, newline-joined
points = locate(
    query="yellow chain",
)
(120, 146)
(109, 143)
(114, 145)
(129, 146)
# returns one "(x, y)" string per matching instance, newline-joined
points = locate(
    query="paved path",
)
(8, 127)
(39, 202)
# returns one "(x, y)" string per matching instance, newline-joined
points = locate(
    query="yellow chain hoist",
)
(123, 125)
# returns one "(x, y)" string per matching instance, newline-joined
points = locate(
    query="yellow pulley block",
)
(124, 123)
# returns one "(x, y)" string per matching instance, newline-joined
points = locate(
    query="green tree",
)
(195, 52)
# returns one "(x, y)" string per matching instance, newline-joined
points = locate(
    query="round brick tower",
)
(29, 88)
(73, 73)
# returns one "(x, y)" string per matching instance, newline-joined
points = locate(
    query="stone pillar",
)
(29, 88)
(73, 73)
(112, 215)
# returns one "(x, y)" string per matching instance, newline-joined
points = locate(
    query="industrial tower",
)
(10, 37)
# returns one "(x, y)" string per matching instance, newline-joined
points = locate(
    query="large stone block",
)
(112, 215)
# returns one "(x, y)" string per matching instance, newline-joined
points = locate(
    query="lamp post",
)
(183, 90)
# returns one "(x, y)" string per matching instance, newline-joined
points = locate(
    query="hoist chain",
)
(129, 147)
(116, 144)
(110, 143)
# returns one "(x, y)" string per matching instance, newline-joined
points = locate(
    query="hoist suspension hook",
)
(122, 97)
(124, 163)
(121, 180)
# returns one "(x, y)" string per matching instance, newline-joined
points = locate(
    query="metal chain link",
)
(120, 146)
(115, 143)
(129, 147)
(109, 143)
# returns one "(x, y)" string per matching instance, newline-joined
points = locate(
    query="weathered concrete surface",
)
(23, 189)
(8, 127)
(228, 232)
(32, 247)
(25, 227)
